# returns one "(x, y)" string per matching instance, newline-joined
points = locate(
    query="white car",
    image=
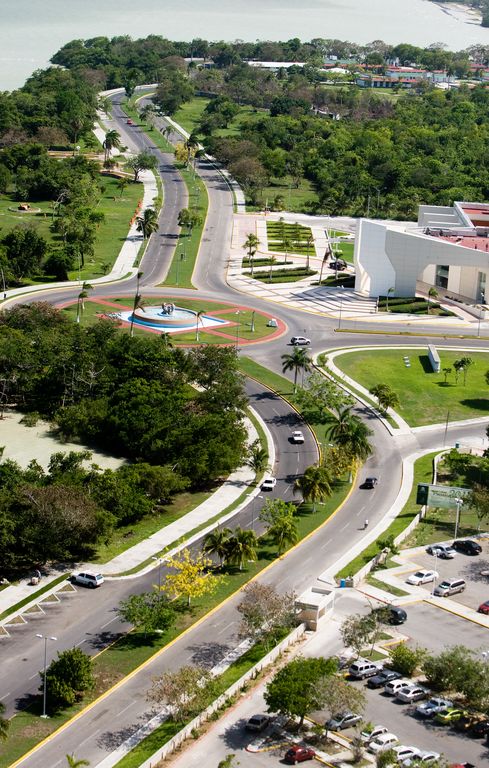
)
(393, 686)
(433, 706)
(377, 730)
(300, 341)
(269, 484)
(422, 577)
(411, 693)
(444, 551)
(406, 753)
(297, 436)
(91, 580)
(384, 741)
(424, 758)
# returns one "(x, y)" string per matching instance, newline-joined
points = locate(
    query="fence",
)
(194, 724)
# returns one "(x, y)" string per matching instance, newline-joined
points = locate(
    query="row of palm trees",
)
(231, 547)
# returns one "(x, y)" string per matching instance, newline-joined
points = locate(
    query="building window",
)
(481, 288)
(441, 278)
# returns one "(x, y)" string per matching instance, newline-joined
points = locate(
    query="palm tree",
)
(432, 294)
(287, 246)
(72, 762)
(310, 241)
(339, 422)
(355, 441)
(4, 723)
(216, 543)
(284, 533)
(297, 361)
(257, 457)
(112, 141)
(389, 291)
(251, 245)
(241, 546)
(147, 223)
(81, 300)
(314, 485)
(197, 318)
(385, 396)
(122, 184)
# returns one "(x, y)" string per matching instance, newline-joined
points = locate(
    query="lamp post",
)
(238, 312)
(159, 560)
(253, 511)
(44, 686)
(480, 314)
(459, 503)
(341, 306)
(436, 571)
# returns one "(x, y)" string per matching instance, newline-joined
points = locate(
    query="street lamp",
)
(44, 687)
(341, 306)
(459, 503)
(237, 313)
(159, 560)
(253, 511)
(435, 552)
(480, 314)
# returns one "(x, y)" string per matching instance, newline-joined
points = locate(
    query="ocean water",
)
(32, 30)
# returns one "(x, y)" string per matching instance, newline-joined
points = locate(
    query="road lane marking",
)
(326, 543)
(81, 743)
(109, 622)
(345, 526)
(131, 704)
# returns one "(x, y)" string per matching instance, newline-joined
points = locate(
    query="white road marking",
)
(88, 737)
(345, 526)
(33, 676)
(326, 543)
(132, 703)
(80, 643)
(109, 622)
(4, 696)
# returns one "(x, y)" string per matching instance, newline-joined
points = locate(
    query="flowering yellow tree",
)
(190, 577)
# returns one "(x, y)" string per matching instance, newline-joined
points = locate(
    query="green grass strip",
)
(423, 473)
(35, 594)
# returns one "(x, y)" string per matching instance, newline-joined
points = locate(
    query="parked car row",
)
(447, 551)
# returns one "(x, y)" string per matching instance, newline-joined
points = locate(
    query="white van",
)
(362, 668)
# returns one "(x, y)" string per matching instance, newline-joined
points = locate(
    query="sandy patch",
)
(22, 444)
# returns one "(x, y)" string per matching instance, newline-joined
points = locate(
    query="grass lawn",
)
(343, 251)
(424, 397)
(283, 275)
(423, 473)
(238, 330)
(189, 115)
(111, 233)
(295, 199)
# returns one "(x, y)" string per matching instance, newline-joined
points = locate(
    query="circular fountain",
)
(166, 316)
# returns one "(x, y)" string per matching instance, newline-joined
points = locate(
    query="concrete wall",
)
(374, 272)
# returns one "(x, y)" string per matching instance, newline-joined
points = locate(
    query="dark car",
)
(378, 681)
(339, 264)
(257, 723)
(396, 615)
(467, 546)
(297, 754)
(484, 608)
(370, 482)
(479, 730)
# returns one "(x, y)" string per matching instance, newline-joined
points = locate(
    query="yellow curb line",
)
(447, 607)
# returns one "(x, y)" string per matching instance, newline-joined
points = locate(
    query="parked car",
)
(392, 687)
(424, 758)
(297, 436)
(300, 341)
(405, 753)
(361, 669)
(269, 484)
(479, 729)
(257, 723)
(385, 676)
(449, 715)
(90, 580)
(297, 754)
(384, 741)
(377, 730)
(445, 551)
(411, 693)
(370, 482)
(449, 587)
(397, 615)
(467, 547)
(422, 577)
(472, 724)
(338, 264)
(342, 721)
(433, 706)
(484, 608)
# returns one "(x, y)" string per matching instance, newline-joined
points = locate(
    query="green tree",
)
(73, 762)
(67, 678)
(241, 546)
(147, 612)
(479, 502)
(338, 695)
(432, 294)
(357, 631)
(320, 396)
(4, 723)
(147, 223)
(190, 577)
(457, 669)
(264, 612)
(296, 361)
(251, 246)
(314, 485)
(144, 161)
(295, 689)
(185, 691)
(112, 141)
(386, 398)
(216, 543)
(355, 441)
(406, 660)
(122, 183)
(446, 373)
(228, 762)
(257, 457)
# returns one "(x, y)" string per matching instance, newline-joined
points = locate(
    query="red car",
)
(298, 754)
(484, 608)
(129, 121)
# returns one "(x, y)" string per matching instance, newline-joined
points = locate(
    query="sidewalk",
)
(226, 495)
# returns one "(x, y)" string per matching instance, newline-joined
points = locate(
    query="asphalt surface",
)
(92, 622)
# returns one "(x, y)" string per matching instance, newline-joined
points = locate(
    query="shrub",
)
(406, 660)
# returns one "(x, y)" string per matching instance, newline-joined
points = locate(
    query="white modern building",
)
(448, 248)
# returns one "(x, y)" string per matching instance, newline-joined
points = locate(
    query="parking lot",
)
(462, 566)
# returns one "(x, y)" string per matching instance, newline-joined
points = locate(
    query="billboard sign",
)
(444, 496)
